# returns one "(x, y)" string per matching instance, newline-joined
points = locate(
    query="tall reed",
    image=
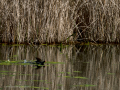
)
(35, 21)
(47, 21)
(99, 20)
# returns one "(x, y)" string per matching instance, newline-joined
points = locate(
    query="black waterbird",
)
(39, 63)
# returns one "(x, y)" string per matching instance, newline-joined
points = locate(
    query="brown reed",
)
(47, 21)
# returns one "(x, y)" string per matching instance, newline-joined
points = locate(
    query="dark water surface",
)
(89, 67)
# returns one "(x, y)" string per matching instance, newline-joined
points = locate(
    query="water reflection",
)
(77, 67)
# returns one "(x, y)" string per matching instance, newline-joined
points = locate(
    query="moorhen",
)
(39, 61)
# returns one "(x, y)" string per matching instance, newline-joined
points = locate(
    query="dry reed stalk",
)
(35, 21)
(99, 20)
(48, 21)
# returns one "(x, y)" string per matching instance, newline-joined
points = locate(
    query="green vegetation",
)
(68, 76)
(77, 71)
(29, 87)
(85, 85)
(81, 77)
(111, 73)
(55, 62)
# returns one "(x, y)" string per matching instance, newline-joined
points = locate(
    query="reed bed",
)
(48, 21)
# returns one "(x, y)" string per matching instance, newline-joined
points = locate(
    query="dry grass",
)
(99, 21)
(47, 21)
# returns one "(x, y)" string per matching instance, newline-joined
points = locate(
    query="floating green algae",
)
(55, 62)
(68, 76)
(84, 85)
(81, 77)
(77, 71)
(111, 73)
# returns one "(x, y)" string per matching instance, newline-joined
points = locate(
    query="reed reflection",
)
(70, 68)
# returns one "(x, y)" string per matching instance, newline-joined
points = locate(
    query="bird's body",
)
(39, 63)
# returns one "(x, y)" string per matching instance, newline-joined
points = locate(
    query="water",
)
(69, 67)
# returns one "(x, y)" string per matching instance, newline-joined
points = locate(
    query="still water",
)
(74, 67)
